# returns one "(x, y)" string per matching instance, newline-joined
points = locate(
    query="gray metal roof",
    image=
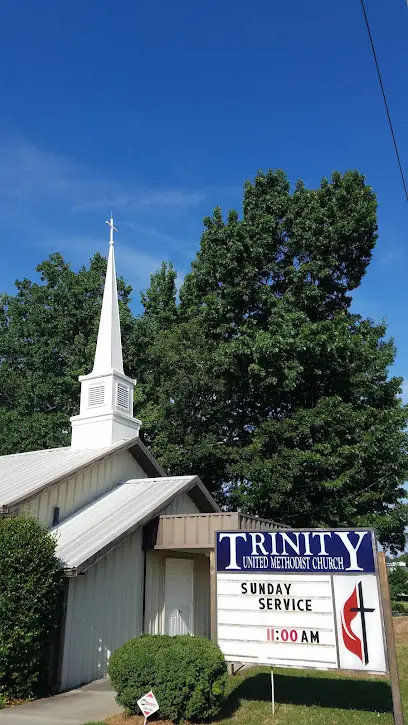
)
(90, 533)
(24, 474)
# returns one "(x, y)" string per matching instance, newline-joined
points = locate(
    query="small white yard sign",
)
(148, 704)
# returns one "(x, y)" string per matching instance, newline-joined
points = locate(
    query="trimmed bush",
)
(31, 589)
(188, 675)
(399, 607)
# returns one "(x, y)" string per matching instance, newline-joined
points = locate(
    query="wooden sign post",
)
(390, 639)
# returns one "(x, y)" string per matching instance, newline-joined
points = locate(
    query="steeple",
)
(108, 354)
(106, 409)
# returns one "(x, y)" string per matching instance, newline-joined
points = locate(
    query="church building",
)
(137, 545)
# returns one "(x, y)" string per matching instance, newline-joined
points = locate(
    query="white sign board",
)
(300, 599)
(148, 704)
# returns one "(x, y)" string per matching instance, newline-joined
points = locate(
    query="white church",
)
(137, 545)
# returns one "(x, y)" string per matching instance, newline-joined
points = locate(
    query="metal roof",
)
(90, 533)
(24, 474)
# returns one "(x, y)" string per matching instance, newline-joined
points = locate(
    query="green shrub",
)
(398, 582)
(2, 701)
(30, 605)
(399, 607)
(188, 675)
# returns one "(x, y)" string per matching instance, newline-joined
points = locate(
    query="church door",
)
(178, 603)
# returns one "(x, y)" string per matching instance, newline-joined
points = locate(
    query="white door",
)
(178, 602)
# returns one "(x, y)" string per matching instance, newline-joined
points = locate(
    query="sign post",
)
(273, 692)
(303, 598)
(390, 637)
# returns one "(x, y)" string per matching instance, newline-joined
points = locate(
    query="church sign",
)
(300, 598)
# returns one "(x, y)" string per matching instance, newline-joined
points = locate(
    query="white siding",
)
(202, 600)
(155, 591)
(78, 490)
(105, 609)
(181, 505)
(154, 609)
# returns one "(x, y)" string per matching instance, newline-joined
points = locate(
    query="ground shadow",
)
(319, 691)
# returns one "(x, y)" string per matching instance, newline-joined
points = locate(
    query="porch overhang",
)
(196, 532)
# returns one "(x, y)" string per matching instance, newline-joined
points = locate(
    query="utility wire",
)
(385, 99)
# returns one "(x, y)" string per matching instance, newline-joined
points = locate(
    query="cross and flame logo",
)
(354, 606)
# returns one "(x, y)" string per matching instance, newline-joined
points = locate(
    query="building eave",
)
(134, 445)
(72, 571)
(143, 456)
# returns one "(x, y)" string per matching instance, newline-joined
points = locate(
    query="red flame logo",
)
(349, 612)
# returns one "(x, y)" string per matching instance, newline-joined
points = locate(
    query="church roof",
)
(94, 530)
(24, 474)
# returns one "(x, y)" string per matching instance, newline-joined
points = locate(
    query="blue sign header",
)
(316, 551)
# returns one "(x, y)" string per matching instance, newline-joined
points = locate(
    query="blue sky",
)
(160, 110)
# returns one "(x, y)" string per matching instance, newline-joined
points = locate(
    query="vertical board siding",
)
(155, 570)
(105, 607)
(252, 522)
(183, 530)
(202, 626)
(155, 591)
(78, 490)
(181, 505)
(104, 610)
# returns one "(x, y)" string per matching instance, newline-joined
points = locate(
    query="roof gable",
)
(90, 533)
(23, 475)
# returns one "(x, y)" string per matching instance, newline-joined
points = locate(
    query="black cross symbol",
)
(362, 611)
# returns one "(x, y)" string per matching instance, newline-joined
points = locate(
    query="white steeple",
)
(106, 409)
(108, 354)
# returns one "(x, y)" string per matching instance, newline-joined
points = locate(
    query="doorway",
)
(178, 601)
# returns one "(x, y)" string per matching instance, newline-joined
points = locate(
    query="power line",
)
(385, 99)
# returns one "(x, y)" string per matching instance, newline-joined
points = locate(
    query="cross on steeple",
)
(112, 229)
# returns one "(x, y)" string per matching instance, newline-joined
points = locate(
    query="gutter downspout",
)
(144, 591)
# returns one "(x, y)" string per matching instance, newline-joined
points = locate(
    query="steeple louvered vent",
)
(122, 398)
(96, 396)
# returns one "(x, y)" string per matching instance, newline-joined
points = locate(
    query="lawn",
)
(309, 698)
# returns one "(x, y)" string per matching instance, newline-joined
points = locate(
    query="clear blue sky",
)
(161, 109)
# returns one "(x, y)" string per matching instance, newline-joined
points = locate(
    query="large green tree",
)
(260, 378)
(264, 382)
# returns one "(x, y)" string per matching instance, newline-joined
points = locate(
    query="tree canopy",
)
(260, 378)
(398, 581)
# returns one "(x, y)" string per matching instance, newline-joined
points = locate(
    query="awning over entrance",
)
(197, 531)
(193, 535)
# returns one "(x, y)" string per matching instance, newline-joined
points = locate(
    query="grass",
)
(308, 697)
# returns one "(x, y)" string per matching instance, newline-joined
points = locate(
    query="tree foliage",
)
(31, 580)
(398, 581)
(261, 379)
(269, 387)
